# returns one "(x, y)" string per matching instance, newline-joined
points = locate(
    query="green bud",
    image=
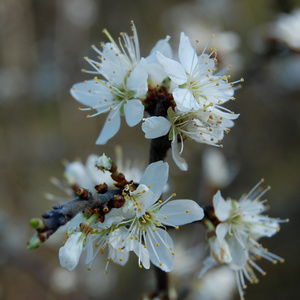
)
(37, 223)
(34, 242)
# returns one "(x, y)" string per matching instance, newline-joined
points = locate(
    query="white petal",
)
(114, 66)
(70, 253)
(173, 68)
(110, 128)
(155, 178)
(161, 256)
(143, 196)
(239, 255)
(137, 81)
(221, 231)
(134, 111)
(161, 46)
(117, 236)
(117, 256)
(89, 250)
(91, 92)
(143, 254)
(156, 73)
(155, 127)
(222, 209)
(180, 162)
(185, 100)
(187, 54)
(221, 251)
(208, 263)
(180, 212)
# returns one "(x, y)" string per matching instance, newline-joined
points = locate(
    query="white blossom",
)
(234, 241)
(145, 232)
(198, 85)
(200, 125)
(124, 85)
(93, 241)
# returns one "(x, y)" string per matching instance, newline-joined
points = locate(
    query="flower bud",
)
(103, 163)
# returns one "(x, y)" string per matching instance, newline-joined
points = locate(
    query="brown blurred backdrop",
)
(42, 45)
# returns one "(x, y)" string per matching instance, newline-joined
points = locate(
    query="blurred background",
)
(42, 45)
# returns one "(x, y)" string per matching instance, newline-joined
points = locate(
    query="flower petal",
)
(180, 212)
(90, 92)
(117, 256)
(155, 127)
(187, 54)
(137, 81)
(155, 178)
(161, 249)
(161, 46)
(185, 100)
(113, 66)
(134, 111)
(70, 253)
(173, 68)
(208, 263)
(143, 254)
(110, 128)
(221, 231)
(222, 209)
(180, 162)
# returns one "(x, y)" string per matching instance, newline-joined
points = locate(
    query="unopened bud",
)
(117, 201)
(83, 193)
(34, 242)
(101, 188)
(105, 209)
(37, 223)
(103, 163)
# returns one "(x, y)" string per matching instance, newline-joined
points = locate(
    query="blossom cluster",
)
(233, 233)
(180, 97)
(140, 225)
(128, 81)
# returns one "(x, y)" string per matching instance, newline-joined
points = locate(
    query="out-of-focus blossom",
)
(286, 29)
(234, 240)
(79, 175)
(195, 19)
(222, 278)
(217, 171)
